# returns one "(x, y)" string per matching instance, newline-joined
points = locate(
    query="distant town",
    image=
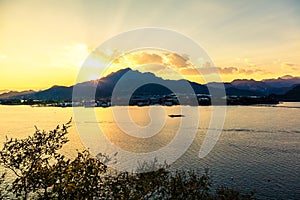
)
(157, 92)
(148, 100)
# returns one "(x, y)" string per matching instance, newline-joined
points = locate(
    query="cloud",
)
(137, 59)
(189, 71)
(144, 58)
(288, 64)
(289, 67)
(206, 69)
(168, 60)
(252, 71)
(176, 60)
(246, 71)
(209, 69)
(199, 71)
(106, 55)
(217, 70)
(153, 68)
(161, 61)
(229, 70)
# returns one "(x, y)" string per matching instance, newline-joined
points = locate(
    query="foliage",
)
(41, 172)
(30, 160)
(224, 193)
(78, 178)
(3, 193)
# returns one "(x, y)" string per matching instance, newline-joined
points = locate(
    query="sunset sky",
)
(44, 43)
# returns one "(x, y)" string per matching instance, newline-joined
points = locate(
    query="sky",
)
(44, 43)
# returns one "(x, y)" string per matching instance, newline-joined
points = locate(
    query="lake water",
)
(259, 147)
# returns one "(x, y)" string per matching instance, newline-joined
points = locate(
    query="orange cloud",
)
(163, 63)
(246, 71)
(177, 60)
(153, 68)
(189, 71)
(285, 64)
(228, 70)
(145, 58)
(289, 66)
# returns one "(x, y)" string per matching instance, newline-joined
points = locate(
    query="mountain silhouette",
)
(291, 95)
(12, 94)
(54, 93)
(153, 85)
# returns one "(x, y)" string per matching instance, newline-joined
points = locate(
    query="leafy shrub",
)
(41, 172)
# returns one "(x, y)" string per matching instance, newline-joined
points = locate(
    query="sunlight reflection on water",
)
(258, 148)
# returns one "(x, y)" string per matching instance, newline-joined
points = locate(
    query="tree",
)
(41, 172)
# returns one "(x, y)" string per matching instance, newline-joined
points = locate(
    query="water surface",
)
(258, 148)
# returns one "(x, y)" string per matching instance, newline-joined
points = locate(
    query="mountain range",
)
(284, 88)
(6, 94)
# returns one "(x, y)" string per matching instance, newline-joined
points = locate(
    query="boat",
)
(176, 115)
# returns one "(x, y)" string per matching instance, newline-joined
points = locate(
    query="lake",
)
(259, 146)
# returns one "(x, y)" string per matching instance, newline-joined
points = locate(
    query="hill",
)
(291, 95)
(105, 86)
(15, 94)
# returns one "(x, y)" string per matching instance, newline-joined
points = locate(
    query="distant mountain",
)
(4, 91)
(12, 94)
(250, 85)
(291, 95)
(105, 86)
(53, 93)
(232, 91)
(282, 82)
(277, 86)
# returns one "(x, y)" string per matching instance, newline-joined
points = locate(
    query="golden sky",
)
(44, 43)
